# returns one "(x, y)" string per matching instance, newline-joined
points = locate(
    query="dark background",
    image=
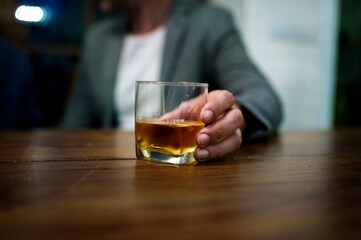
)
(55, 50)
(348, 85)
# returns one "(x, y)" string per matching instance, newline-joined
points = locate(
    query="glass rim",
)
(197, 84)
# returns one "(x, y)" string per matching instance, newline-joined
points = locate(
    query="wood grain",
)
(66, 144)
(297, 185)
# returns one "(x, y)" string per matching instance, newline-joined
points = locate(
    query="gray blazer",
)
(202, 45)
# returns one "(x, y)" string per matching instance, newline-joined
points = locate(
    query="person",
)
(176, 41)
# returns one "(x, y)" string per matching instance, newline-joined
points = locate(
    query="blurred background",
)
(309, 49)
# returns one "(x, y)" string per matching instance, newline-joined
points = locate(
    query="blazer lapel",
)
(176, 29)
(113, 48)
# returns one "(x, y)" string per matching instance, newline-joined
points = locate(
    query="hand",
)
(223, 134)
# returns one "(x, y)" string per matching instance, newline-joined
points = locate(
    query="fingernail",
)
(208, 115)
(202, 155)
(203, 140)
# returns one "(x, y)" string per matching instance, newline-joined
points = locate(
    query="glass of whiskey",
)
(167, 120)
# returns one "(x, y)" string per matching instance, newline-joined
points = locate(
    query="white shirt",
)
(141, 60)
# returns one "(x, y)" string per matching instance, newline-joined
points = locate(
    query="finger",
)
(219, 149)
(217, 103)
(221, 128)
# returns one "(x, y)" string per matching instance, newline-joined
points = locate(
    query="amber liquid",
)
(176, 137)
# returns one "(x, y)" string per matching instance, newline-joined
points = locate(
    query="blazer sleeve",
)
(233, 70)
(79, 112)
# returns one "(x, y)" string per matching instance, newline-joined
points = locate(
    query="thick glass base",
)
(160, 157)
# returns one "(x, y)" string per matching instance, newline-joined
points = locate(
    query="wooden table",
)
(87, 184)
